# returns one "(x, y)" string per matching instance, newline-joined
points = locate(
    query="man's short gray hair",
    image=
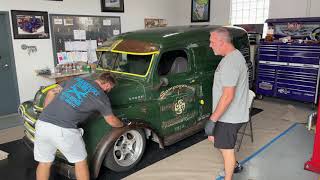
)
(224, 34)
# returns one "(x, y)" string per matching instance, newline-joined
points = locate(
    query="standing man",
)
(57, 127)
(229, 98)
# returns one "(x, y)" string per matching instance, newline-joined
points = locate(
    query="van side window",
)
(173, 62)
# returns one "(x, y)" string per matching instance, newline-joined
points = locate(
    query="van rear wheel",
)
(127, 151)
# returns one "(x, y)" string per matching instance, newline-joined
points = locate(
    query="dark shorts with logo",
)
(225, 135)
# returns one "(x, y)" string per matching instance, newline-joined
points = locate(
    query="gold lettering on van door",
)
(178, 120)
(167, 92)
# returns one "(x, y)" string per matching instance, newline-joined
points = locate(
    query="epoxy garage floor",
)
(195, 158)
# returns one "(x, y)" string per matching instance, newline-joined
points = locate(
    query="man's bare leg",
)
(229, 162)
(82, 170)
(43, 171)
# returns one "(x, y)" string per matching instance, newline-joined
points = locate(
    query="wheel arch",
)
(107, 141)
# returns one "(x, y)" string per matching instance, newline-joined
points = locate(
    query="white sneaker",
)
(222, 173)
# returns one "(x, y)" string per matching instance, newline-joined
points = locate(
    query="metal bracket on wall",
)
(31, 49)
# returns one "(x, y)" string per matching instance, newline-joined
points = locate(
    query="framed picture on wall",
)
(112, 6)
(30, 24)
(200, 10)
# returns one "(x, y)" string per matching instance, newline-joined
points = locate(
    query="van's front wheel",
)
(127, 151)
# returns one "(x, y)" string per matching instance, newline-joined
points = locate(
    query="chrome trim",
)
(270, 62)
(312, 57)
(29, 128)
(25, 116)
(297, 46)
(261, 81)
(266, 76)
(296, 79)
(303, 65)
(298, 76)
(20, 111)
(298, 85)
(268, 54)
(37, 108)
(28, 120)
(267, 70)
(295, 89)
(303, 73)
(299, 50)
(29, 136)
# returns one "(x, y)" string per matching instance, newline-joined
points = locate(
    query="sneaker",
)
(222, 173)
(238, 168)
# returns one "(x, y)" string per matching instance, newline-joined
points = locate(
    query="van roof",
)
(169, 36)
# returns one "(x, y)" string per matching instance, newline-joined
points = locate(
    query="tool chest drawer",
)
(288, 71)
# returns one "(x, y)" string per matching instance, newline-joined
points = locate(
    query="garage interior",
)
(283, 118)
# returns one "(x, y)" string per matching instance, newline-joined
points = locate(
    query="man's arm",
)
(51, 95)
(113, 121)
(224, 102)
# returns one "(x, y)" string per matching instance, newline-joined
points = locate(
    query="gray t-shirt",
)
(75, 103)
(232, 72)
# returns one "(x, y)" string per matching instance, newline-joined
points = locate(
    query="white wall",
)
(131, 19)
(315, 8)
(294, 8)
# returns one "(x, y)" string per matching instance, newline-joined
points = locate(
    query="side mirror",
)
(164, 82)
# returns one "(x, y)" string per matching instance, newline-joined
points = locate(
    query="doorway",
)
(9, 94)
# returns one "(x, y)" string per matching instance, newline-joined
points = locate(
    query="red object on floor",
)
(314, 163)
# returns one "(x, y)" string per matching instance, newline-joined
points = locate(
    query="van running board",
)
(184, 133)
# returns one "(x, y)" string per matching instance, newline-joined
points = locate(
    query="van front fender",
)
(107, 142)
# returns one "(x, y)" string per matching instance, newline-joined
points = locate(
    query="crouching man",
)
(57, 128)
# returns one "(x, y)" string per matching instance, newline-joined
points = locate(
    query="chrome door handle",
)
(6, 66)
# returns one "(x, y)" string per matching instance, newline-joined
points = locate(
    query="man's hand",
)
(211, 138)
(113, 121)
(212, 118)
(51, 95)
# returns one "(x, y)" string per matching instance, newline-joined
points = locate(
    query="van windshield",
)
(125, 63)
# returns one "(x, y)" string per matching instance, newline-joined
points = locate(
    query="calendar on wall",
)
(76, 37)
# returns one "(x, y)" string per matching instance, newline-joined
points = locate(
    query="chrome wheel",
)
(128, 148)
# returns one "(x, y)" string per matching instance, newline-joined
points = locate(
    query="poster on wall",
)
(112, 6)
(200, 10)
(30, 24)
(154, 22)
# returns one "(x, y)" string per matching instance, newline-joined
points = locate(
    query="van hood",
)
(127, 91)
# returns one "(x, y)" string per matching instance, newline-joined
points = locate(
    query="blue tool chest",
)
(288, 71)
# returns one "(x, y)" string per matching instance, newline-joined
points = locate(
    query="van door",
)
(177, 101)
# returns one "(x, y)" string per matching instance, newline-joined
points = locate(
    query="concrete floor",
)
(283, 158)
(202, 161)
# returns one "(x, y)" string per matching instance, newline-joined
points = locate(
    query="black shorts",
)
(225, 135)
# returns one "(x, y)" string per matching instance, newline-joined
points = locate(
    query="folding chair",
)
(244, 126)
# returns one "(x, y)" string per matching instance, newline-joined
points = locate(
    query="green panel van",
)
(164, 87)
